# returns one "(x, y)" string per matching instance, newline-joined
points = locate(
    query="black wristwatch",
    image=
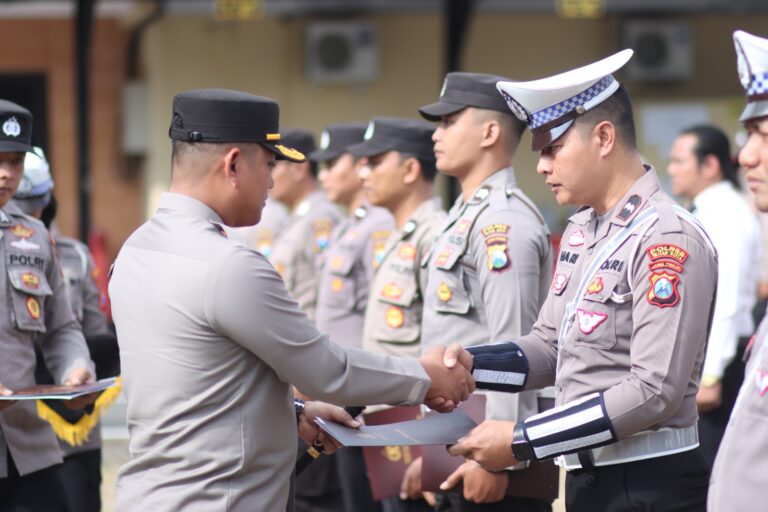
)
(299, 406)
(521, 448)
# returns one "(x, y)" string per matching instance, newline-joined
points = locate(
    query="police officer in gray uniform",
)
(490, 267)
(36, 308)
(398, 173)
(357, 242)
(623, 331)
(347, 269)
(738, 478)
(81, 471)
(298, 253)
(211, 343)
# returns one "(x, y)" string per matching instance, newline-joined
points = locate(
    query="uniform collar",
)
(500, 178)
(421, 213)
(306, 205)
(188, 205)
(712, 196)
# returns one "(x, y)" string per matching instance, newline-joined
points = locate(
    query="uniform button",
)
(559, 389)
(589, 251)
(590, 480)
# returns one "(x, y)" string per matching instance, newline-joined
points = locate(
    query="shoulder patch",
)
(667, 256)
(496, 246)
(663, 290)
(321, 234)
(629, 207)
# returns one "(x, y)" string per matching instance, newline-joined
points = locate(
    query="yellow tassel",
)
(78, 433)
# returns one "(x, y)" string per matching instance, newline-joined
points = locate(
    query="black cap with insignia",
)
(222, 115)
(462, 90)
(396, 134)
(336, 140)
(15, 127)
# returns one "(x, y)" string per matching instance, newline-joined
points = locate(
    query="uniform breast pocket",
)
(29, 289)
(448, 283)
(595, 322)
(401, 309)
(342, 287)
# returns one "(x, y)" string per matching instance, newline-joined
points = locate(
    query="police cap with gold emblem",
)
(462, 90)
(336, 140)
(752, 59)
(396, 134)
(550, 105)
(222, 115)
(15, 128)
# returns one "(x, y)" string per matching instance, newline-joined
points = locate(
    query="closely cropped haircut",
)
(508, 122)
(617, 110)
(710, 140)
(428, 166)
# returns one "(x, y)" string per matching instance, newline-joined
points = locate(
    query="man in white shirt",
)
(703, 173)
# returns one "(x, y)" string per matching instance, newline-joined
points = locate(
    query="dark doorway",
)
(29, 91)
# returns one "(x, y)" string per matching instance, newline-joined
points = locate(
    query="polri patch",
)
(322, 235)
(663, 291)
(462, 227)
(496, 247)
(559, 280)
(30, 281)
(22, 231)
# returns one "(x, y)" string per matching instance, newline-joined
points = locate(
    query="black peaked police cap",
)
(222, 115)
(396, 134)
(15, 128)
(462, 90)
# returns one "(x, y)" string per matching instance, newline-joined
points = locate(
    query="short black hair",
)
(428, 166)
(617, 109)
(711, 140)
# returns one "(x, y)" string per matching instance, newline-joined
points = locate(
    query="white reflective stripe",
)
(565, 423)
(641, 446)
(498, 377)
(572, 444)
(561, 408)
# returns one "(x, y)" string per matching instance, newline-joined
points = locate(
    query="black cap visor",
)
(285, 153)
(368, 149)
(437, 110)
(14, 146)
(326, 155)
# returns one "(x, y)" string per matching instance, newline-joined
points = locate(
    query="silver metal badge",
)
(516, 108)
(369, 131)
(325, 139)
(445, 85)
(11, 127)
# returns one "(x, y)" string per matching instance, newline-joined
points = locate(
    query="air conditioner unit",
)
(663, 51)
(340, 52)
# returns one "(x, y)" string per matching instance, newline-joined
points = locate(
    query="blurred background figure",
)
(78, 431)
(354, 251)
(297, 254)
(704, 175)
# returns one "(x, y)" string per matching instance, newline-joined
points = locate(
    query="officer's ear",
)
(491, 133)
(604, 134)
(411, 170)
(230, 163)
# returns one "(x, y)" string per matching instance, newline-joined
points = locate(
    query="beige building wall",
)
(265, 57)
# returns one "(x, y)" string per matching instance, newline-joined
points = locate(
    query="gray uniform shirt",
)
(487, 275)
(210, 343)
(356, 247)
(639, 334)
(739, 476)
(297, 253)
(262, 236)
(394, 311)
(36, 307)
